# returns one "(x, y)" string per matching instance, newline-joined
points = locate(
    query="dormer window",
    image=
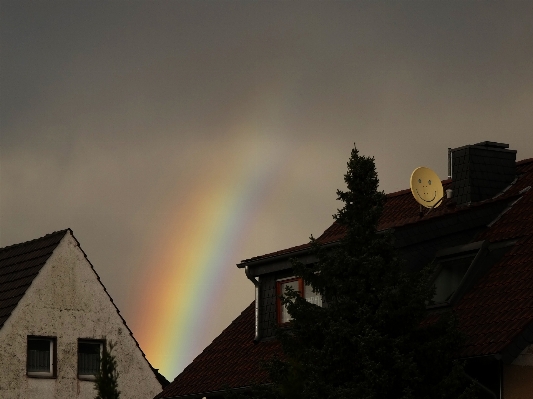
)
(297, 284)
(451, 274)
(455, 268)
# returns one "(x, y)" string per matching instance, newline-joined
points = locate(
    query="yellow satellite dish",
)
(426, 187)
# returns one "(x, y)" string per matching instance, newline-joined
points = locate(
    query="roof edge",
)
(210, 393)
(154, 370)
(524, 161)
(19, 244)
(302, 249)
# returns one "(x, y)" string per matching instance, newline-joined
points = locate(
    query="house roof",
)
(496, 314)
(402, 210)
(232, 360)
(21, 263)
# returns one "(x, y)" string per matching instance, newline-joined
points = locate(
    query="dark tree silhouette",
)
(106, 384)
(369, 341)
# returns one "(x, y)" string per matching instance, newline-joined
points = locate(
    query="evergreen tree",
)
(369, 341)
(106, 384)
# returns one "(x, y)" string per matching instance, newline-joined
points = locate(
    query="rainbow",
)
(188, 270)
(203, 233)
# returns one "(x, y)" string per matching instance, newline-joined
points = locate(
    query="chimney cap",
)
(492, 144)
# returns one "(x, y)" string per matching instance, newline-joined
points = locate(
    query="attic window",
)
(454, 266)
(297, 284)
(89, 354)
(40, 360)
(450, 277)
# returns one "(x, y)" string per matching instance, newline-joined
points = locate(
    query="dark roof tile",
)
(232, 360)
(19, 265)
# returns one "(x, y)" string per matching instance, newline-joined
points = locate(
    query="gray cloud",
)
(108, 109)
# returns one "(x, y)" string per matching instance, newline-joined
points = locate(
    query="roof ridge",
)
(53, 244)
(408, 190)
(447, 181)
(20, 244)
(398, 193)
(524, 161)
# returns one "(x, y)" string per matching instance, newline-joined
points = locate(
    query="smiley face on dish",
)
(426, 187)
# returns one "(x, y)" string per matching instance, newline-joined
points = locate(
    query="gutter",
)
(274, 258)
(257, 297)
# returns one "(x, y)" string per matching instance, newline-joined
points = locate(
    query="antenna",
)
(449, 163)
(426, 187)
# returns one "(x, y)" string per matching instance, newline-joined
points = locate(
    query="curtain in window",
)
(89, 358)
(38, 355)
(295, 285)
(311, 296)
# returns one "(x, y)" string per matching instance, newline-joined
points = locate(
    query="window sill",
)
(47, 376)
(87, 377)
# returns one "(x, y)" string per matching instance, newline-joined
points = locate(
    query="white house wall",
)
(66, 301)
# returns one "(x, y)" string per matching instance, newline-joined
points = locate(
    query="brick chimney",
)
(480, 171)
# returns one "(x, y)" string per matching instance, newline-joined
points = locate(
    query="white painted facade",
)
(67, 301)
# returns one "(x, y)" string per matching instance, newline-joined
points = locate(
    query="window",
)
(297, 284)
(454, 266)
(89, 354)
(311, 296)
(41, 357)
(450, 277)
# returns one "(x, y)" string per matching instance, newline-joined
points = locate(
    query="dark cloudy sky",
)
(114, 113)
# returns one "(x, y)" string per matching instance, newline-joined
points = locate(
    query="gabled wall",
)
(67, 301)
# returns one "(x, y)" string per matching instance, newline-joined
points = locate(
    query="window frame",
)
(52, 373)
(279, 293)
(102, 343)
(476, 251)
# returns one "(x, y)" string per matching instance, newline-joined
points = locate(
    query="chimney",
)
(480, 171)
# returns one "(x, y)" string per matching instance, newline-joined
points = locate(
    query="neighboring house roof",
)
(232, 360)
(496, 314)
(21, 263)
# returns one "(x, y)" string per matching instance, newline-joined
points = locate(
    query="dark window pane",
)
(89, 358)
(38, 355)
(450, 277)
